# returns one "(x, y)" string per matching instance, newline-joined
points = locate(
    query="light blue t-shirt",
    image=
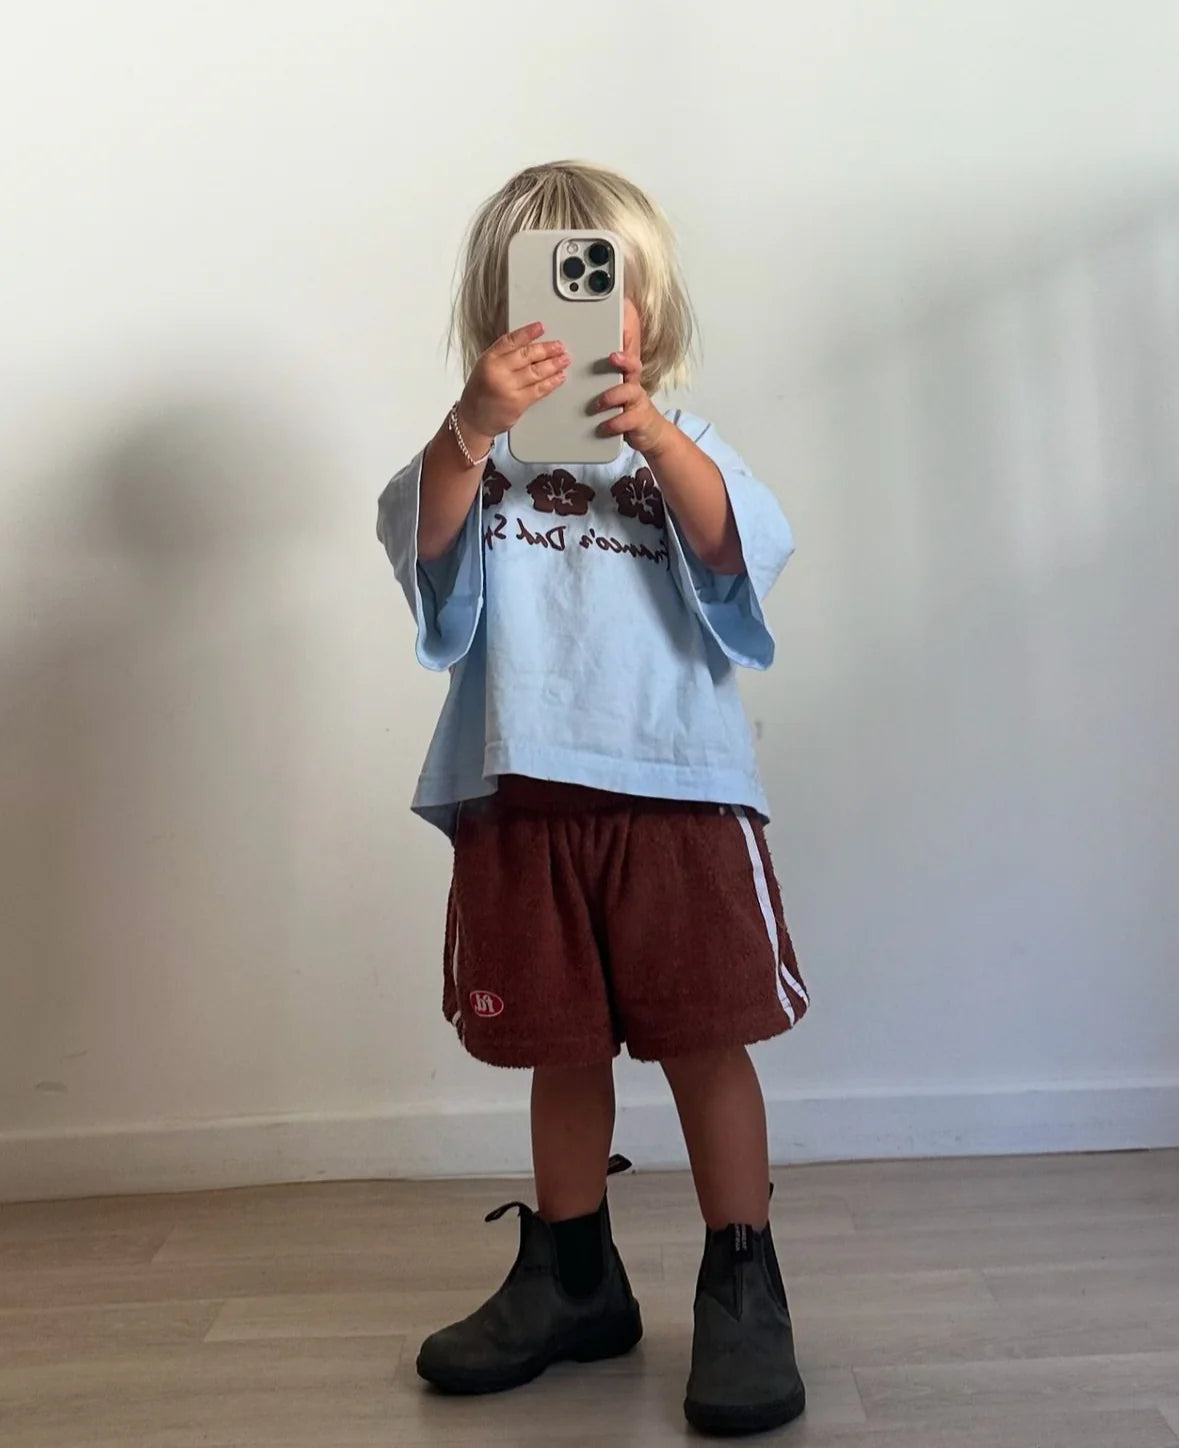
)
(586, 642)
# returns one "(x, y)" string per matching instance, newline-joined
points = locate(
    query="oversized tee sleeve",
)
(446, 594)
(730, 607)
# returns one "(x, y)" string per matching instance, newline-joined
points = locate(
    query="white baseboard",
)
(481, 1141)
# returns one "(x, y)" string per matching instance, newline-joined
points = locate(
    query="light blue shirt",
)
(586, 642)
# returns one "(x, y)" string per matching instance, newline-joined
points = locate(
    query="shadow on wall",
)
(201, 480)
(150, 702)
(981, 768)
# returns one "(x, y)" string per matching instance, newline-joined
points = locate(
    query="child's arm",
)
(512, 374)
(690, 481)
(695, 491)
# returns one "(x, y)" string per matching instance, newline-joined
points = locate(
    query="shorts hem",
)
(528, 1055)
(749, 1031)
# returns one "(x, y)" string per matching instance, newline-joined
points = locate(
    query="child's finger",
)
(625, 422)
(622, 396)
(628, 363)
(533, 352)
(522, 335)
(538, 371)
(536, 390)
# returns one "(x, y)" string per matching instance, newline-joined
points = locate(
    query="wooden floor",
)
(978, 1304)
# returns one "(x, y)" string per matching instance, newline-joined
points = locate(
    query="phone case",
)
(560, 427)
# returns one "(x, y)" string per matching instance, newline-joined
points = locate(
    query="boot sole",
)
(724, 1422)
(614, 1337)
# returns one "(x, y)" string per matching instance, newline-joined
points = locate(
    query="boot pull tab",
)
(520, 1207)
(742, 1242)
(615, 1165)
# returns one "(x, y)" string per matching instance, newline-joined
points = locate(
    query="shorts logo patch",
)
(486, 1004)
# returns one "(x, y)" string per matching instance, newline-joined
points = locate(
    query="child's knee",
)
(704, 1064)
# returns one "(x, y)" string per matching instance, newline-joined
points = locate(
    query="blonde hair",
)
(576, 196)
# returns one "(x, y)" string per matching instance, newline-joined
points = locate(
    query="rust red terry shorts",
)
(579, 920)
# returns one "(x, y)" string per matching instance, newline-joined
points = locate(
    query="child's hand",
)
(640, 421)
(512, 374)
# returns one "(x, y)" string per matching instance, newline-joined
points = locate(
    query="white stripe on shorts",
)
(796, 985)
(452, 965)
(761, 885)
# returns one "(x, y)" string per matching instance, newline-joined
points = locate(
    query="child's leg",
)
(723, 1115)
(568, 1297)
(744, 1376)
(572, 1130)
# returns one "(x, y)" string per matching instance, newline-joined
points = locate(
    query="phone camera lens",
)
(598, 282)
(598, 253)
(573, 267)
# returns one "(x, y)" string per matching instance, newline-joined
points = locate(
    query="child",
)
(594, 769)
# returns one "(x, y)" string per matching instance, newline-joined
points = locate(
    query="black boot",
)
(744, 1376)
(532, 1322)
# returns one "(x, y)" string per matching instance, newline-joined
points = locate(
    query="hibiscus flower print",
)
(639, 497)
(559, 492)
(495, 485)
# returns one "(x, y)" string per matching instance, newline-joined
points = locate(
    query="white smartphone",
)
(573, 282)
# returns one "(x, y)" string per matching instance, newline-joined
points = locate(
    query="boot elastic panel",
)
(725, 1253)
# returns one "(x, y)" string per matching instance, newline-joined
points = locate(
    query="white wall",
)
(935, 250)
